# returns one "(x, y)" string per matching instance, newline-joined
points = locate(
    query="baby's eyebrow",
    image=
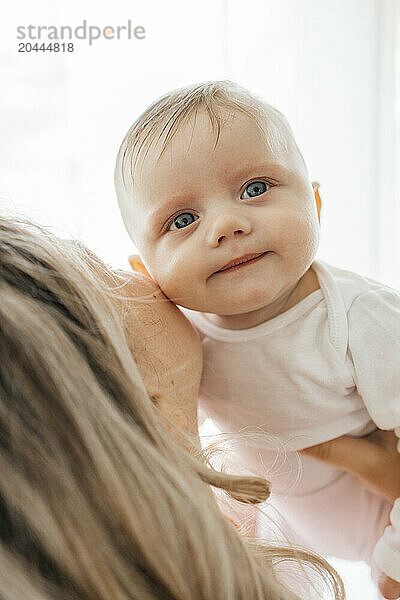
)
(259, 169)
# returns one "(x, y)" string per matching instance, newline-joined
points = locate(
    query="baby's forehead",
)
(237, 139)
(226, 125)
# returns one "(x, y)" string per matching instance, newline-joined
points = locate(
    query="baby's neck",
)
(304, 287)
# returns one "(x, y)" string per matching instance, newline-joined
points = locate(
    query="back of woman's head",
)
(97, 500)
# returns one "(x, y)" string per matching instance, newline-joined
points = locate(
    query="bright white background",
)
(330, 65)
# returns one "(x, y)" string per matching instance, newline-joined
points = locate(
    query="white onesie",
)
(329, 366)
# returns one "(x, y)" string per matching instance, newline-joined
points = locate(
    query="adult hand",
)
(373, 459)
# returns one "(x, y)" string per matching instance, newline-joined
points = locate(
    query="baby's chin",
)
(227, 309)
(239, 301)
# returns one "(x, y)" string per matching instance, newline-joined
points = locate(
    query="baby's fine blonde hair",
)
(159, 123)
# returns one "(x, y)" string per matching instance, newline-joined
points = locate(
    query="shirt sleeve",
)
(374, 345)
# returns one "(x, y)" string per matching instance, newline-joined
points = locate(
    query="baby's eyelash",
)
(267, 182)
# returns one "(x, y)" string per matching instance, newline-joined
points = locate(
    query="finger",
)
(348, 453)
(378, 470)
(389, 588)
(385, 439)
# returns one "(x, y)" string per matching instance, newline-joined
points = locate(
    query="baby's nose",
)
(227, 225)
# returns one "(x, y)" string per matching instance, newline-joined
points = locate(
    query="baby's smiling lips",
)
(238, 262)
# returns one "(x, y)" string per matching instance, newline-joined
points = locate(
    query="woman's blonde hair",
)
(97, 500)
(160, 122)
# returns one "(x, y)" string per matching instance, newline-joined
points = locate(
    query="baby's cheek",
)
(310, 240)
(302, 235)
(180, 282)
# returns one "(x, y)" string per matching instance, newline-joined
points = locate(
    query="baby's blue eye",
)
(256, 188)
(183, 220)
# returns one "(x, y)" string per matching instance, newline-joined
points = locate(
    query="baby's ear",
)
(316, 187)
(137, 265)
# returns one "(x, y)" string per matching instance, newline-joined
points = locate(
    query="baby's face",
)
(202, 205)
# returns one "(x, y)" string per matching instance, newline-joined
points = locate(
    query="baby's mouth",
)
(237, 263)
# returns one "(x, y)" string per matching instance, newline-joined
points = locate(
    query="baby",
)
(215, 193)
